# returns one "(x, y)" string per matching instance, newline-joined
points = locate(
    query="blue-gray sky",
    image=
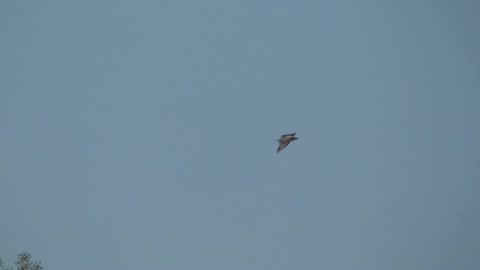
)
(141, 134)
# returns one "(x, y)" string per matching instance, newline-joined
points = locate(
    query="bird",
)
(284, 140)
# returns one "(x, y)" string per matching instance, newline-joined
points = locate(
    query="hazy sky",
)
(141, 134)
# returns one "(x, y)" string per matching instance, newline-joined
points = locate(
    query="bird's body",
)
(285, 140)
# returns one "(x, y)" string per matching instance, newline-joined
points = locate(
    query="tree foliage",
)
(24, 262)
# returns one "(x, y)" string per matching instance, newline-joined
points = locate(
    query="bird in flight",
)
(285, 140)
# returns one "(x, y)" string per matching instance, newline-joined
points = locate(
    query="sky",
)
(142, 134)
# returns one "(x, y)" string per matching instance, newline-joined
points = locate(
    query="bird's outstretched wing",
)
(282, 145)
(288, 135)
